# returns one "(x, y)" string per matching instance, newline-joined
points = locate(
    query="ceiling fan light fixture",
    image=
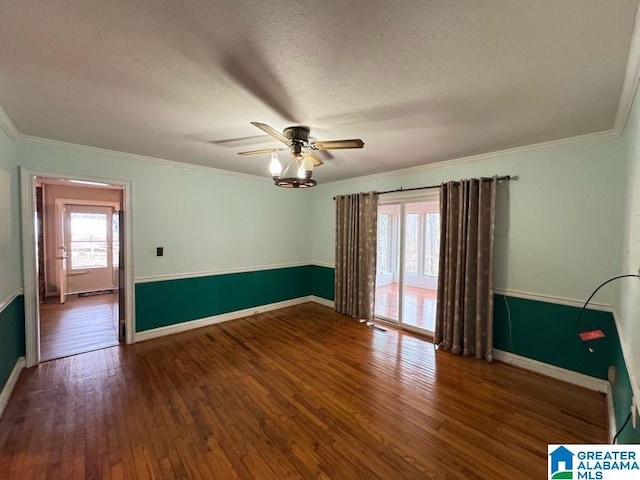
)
(308, 163)
(275, 167)
(295, 182)
(303, 179)
(302, 158)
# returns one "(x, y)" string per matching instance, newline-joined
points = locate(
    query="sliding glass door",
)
(387, 263)
(407, 261)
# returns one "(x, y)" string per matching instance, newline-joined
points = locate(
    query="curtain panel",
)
(464, 313)
(356, 238)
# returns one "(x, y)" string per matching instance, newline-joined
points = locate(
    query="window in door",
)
(88, 243)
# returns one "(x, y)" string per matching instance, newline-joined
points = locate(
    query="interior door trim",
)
(29, 258)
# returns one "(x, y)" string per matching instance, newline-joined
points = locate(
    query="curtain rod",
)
(500, 179)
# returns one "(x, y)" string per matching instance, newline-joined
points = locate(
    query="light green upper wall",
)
(558, 231)
(557, 228)
(627, 306)
(205, 220)
(10, 259)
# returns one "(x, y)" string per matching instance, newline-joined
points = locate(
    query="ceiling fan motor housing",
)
(297, 134)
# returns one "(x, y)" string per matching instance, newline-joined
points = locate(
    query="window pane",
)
(88, 240)
(384, 255)
(411, 244)
(431, 244)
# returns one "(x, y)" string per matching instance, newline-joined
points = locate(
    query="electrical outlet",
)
(634, 412)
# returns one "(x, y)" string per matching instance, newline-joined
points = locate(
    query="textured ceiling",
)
(419, 82)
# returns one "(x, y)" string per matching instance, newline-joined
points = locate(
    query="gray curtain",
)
(356, 238)
(464, 314)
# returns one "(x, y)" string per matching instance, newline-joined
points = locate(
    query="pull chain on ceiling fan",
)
(302, 158)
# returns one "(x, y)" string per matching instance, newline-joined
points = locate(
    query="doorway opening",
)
(79, 256)
(407, 260)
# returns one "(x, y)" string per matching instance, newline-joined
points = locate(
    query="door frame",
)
(30, 261)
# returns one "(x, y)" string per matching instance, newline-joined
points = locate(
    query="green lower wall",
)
(169, 302)
(322, 282)
(12, 341)
(622, 395)
(547, 332)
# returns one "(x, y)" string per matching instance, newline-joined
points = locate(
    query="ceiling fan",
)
(297, 140)
(297, 173)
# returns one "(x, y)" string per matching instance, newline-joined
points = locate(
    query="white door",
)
(88, 239)
(62, 257)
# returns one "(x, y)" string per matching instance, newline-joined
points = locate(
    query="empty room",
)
(317, 239)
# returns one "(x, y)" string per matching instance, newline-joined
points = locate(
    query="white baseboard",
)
(323, 301)
(575, 378)
(552, 371)
(225, 317)
(11, 382)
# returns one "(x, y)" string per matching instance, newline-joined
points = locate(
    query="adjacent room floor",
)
(419, 305)
(301, 392)
(81, 324)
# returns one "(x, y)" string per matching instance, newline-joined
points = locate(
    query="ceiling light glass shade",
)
(308, 164)
(285, 179)
(274, 167)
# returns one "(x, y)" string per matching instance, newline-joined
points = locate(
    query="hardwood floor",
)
(79, 325)
(301, 392)
(419, 305)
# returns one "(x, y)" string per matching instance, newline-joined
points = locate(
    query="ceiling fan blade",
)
(314, 158)
(271, 131)
(337, 144)
(264, 150)
(240, 141)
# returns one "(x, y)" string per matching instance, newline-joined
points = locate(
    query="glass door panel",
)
(387, 304)
(420, 272)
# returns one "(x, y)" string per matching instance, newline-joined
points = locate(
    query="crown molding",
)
(631, 78)
(7, 125)
(29, 139)
(588, 137)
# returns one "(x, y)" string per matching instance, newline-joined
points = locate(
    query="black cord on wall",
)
(584, 307)
(621, 428)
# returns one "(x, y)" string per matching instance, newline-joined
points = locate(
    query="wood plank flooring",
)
(80, 325)
(300, 392)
